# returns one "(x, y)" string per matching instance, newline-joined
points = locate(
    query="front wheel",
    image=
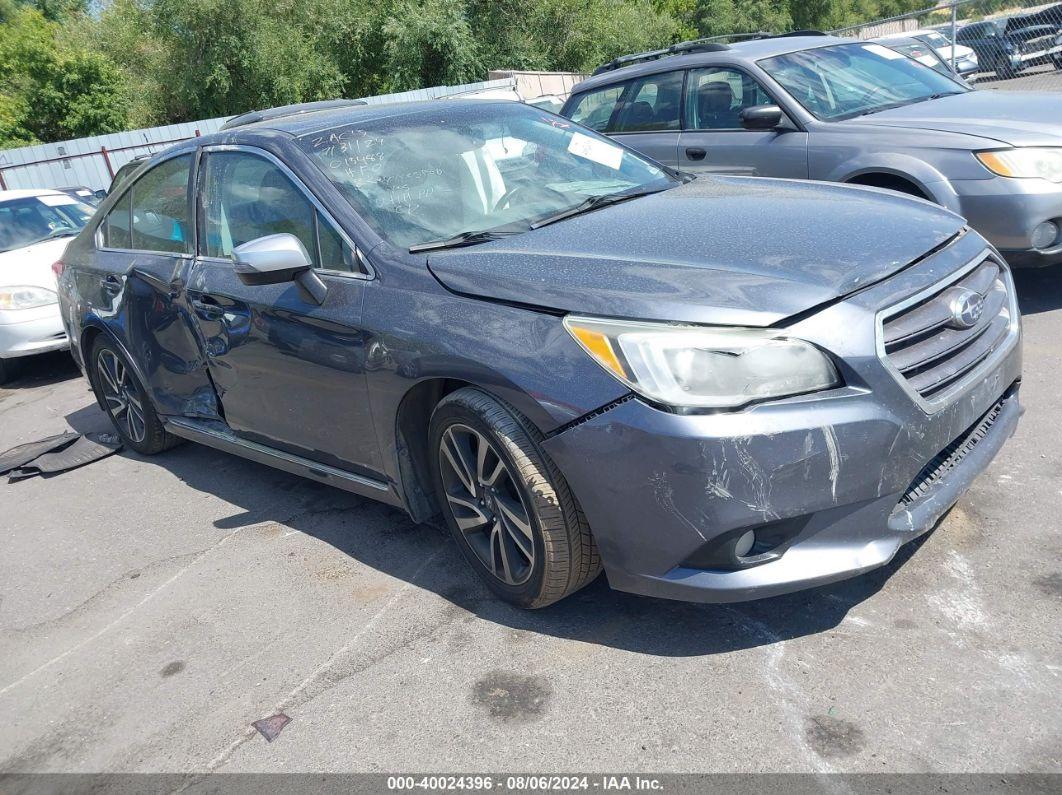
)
(511, 512)
(8, 370)
(120, 393)
(1004, 69)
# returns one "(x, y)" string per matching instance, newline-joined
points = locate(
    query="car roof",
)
(317, 121)
(740, 52)
(299, 108)
(5, 195)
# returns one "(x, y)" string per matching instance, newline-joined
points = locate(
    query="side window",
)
(116, 225)
(649, 104)
(161, 219)
(245, 197)
(594, 108)
(716, 96)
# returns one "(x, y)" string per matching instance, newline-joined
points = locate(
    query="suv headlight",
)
(702, 366)
(26, 297)
(1026, 163)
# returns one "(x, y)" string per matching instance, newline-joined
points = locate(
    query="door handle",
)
(695, 153)
(207, 307)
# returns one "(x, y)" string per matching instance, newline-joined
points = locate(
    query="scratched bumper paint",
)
(657, 486)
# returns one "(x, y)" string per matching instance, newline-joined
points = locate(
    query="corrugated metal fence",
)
(91, 162)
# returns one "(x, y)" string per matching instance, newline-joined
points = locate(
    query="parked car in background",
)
(921, 52)
(962, 59)
(35, 226)
(84, 195)
(716, 389)
(842, 110)
(126, 170)
(1007, 49)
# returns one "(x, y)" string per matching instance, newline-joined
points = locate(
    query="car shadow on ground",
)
(1039, 289)
(386, 539)
(44, 369)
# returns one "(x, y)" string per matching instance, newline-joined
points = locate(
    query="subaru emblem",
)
(966, 308)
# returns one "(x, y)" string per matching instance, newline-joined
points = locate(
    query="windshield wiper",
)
(469, 238)
(907, 102)
(592, 203)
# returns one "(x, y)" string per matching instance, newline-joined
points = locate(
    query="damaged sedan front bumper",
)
(829, 485)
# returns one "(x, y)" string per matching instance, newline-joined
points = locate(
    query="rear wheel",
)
(126, 402)
(509, 509)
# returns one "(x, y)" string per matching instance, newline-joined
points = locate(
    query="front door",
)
(713, 140)
(289, 372)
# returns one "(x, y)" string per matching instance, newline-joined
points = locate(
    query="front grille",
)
(950, 457)
(931, 349)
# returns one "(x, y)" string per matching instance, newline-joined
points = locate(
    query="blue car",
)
(714, 389)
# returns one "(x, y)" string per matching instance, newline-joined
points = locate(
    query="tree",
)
(56, 91)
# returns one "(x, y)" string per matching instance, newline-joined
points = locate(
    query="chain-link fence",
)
(1005, 44)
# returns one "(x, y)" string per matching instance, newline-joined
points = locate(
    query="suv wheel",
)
(120, 393)
(509, 509)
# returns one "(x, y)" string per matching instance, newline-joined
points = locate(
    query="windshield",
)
(431, 176)
(32, 219)
(848, 80)
(922, 53)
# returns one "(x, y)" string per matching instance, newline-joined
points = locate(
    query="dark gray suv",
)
(842, 110)
(715, 389)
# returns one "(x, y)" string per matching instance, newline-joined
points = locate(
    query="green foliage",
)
(137, 63)
(56, 90)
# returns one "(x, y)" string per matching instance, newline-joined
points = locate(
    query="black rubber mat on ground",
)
(57, 454)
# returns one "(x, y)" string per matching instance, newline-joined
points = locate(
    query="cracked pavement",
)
(152, 608)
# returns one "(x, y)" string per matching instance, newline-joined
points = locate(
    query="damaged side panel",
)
(139, 299)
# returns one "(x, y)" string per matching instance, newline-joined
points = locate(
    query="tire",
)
(1003, 68)
(8, 370)
(565, 557)
(141, 430)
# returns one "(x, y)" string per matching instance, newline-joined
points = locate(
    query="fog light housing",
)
(744, 544)
(1045, 235)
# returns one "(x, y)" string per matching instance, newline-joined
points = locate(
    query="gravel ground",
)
(151, 609)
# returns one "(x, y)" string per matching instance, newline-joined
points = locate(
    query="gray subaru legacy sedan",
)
(841, 110)
(713, 388)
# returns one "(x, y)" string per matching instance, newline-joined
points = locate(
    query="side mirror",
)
(275, 259)
(762, 117)
(100, 194)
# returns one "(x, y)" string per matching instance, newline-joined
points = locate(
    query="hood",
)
(726, 250)
(32, 265)
(1016, 118)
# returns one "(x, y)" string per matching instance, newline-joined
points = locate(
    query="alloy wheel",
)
(121, 395)
(485, 503)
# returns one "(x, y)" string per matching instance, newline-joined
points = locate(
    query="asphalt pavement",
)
(151, 609)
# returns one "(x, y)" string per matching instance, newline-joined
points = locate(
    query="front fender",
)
(923, 175)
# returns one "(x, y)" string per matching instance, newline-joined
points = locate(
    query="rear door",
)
(643, 113)
(713, 140)
(289, 372)
(143, 246)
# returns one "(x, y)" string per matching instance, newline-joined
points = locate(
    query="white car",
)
(35, 226)
(965, 60)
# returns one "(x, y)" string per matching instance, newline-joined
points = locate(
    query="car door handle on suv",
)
(695, 153)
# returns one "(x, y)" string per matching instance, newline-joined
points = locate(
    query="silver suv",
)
(820, 107)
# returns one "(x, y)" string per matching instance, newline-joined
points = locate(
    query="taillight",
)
(57, 268)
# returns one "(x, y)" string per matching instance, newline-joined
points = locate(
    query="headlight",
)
(1026, 163)
(25, 297)
(703, 367)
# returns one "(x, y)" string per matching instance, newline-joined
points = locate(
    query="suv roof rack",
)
(682, 48)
